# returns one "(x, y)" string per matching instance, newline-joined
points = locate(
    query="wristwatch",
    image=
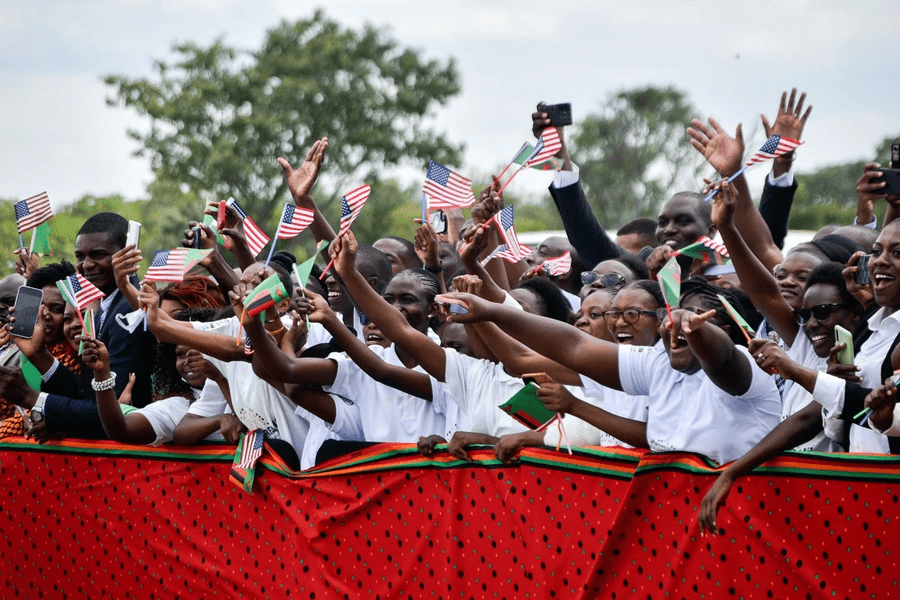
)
(435, 270)
(37, 411)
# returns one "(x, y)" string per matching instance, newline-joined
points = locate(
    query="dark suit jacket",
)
(775, 208)
(71, 404)
(585, 233)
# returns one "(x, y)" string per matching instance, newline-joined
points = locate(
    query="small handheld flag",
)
(547, 145)
(669, 278)
(32, 211)
(558, 265)
(249, 449)
(167, 265)
(706, 250)
(40, 240)
(256, 237)
(351, 205)
(526, 408)
(266, 295)
(506, 219)
(446, 188)
(83, 292)
(503, 251)
(743, 324)
(294, 219)
(775, 146)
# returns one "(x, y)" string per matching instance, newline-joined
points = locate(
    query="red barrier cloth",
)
(99, 519)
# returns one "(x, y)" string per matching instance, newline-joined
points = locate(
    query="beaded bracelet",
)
(106, 384)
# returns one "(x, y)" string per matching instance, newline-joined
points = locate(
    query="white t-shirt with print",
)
(689, 413)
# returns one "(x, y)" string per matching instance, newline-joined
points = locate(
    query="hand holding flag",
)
(256, 237)
(351, 205)
(558, 265)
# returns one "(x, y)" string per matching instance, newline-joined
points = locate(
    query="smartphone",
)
(892, 177)
(862, 275)
(537, 378)
(439, 222)
(845, 356)
(134, 234)
(453, 305)
(220, 216)
(196, 231)
(560, 114)
(895, 155)
(28, 304)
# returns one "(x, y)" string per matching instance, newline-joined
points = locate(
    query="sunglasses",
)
(606, 279)
(629, 315)
(821, 312)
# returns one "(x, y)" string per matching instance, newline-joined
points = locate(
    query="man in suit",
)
(66, 401)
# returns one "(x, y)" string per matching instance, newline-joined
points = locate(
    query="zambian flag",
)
(266, 295)
(554, 164)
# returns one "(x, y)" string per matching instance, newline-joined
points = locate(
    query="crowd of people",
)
(420, 341)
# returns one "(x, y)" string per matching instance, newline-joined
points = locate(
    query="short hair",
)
(112, 224)
(698, 286)
(635, 264)
(409, 248)
(831, 273)
(50, 274)
(644, 227)
(553, 302)
(651, 287)
(427, 279)
(704, 208)
(372, 263)
(194, 292)
(285, 258)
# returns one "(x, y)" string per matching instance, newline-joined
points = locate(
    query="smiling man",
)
(66, 402)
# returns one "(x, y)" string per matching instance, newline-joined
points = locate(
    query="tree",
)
(634, 154)
(828, 195)
(220, 116)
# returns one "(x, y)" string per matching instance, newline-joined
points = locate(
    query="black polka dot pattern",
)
(86, 520)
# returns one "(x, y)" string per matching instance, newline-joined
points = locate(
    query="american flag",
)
(446, 188)
(252, 448)
(83, 291)
(294, 219)
(33, 211)
(508, 231)
(774, 146)
(559, 265)
(351, 204)
(502, 251)
(548, 145)
(256, 237)
(167, 265)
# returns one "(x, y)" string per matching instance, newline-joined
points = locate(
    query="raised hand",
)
(36, 344)
(881, 401)
(658, 259)
(788, 122)
(343, 252)
(770, 357)
(541, 121)
(724, 204)
(300, 181)
(723, 152)
(148, 298)
(295, 336)
(95, 356)
(26, 262)
(468, 284)
(861, 291)
(487, 208)
(686, 322)
(478, 309)
(474, 243)
(868, 193)
(428, 246)
(125, 263)
(846, 372)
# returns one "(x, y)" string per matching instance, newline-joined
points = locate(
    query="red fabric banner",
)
(100, 519)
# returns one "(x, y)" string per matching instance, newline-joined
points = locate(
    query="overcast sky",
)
(734, 60)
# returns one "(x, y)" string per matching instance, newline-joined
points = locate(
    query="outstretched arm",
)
(406, 380)
(725, 154)
(719, 358)
(554, 339)
(559, 399)
(301, 180)
(390, 321)
(756, 280)
(519, 359)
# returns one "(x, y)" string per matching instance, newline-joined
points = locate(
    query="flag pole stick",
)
(511, 177)
(713, 193)
(21, 242)
(325, 272)
(275, 239)
(425, 210)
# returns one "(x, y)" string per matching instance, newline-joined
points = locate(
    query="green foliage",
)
(220, 116)
(634, 153)
(828, 195)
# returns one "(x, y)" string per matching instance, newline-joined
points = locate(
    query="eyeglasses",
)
(606, 279)
(630, 315)
(821, 312)
(663, 314)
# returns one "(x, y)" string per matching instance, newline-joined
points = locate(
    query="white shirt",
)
(211, 403)
(479, 387)
(388, 415)
(689, 413)
(797, 397)
(872, 353)
(164, 415)
(618, 403)
(319, 431)
(257, 404)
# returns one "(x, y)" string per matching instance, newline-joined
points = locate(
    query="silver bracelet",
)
(106, 384)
